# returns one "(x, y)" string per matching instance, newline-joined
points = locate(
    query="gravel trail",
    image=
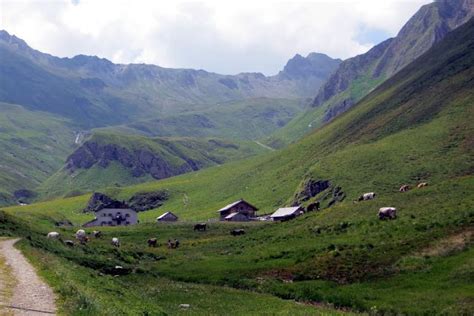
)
(31, 296)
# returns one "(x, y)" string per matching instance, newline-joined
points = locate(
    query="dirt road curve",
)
(30, 295)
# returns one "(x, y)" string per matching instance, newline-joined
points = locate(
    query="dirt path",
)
(264, 146)
(30, 295)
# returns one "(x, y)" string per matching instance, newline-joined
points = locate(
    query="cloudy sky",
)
(221, 36)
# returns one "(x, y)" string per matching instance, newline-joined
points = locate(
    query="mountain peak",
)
(315, 64)
(12, 40)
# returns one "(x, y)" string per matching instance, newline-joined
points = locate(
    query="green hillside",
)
(116, 160)
(245, 119)
(34, 145)
(414, 127)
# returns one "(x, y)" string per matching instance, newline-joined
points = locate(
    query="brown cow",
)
(152, 242)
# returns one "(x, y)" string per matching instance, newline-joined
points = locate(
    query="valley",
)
(191, 142)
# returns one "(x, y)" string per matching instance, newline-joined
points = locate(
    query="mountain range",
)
(161, 108)
(357, 76)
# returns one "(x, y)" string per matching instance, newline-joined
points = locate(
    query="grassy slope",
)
(34, 145)
(247, 119)
(175, 151)
(415, 127)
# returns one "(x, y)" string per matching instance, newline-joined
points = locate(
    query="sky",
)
(220, 36)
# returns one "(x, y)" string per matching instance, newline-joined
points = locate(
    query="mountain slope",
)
(34, 145)
(95, 92)
(357, 76)
(249, 119)
(111, 159)
(417, 126)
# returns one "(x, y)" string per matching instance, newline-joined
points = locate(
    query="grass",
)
(34, 145)
(7, 283)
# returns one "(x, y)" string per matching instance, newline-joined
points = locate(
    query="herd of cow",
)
(81, 235)
(82, 238)
(388, 212)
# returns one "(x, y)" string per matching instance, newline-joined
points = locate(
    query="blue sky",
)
(220, 36)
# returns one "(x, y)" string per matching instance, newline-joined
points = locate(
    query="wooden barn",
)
(167, 217)
(239, 211)
(286, 213)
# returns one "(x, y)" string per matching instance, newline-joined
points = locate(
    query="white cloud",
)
(220, 36)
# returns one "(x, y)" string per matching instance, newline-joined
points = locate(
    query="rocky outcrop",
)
(139, 202)
(99, 201)
(140, 162)
(311, 188)
(313, 194)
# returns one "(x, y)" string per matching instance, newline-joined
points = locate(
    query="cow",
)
(422, 184)
(313, 206)
(152, 242)
(200, 227)
(237, 232)
(115, 242)
(387, 212)
(404, 188)
(82, 236)
(367, 196)
(53, 235)
(173, 245)
(69, 243)
(97, 233)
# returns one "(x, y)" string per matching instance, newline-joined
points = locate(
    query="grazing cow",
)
(152, 242)
(82, 236)
(367, 196)
(313, 206)
(404, 188)
(200, 227)
(69, 243)
(422, 184)
(387, 212)
(52, 235)
(237, 232)
(173, 245)
(115, 242)
(97, 233)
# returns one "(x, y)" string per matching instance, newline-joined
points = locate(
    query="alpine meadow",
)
(335, 186)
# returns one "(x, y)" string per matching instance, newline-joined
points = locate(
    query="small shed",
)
(245, 210)
(167, 217)
(287, 213)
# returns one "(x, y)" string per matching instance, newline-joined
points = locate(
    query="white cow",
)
(82, 236)
(387, 212)
(367, 196)
(115, 242)
(52, 235)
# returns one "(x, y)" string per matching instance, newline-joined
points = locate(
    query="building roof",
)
(227, 207)
(286, 211)
(232, 215)
(115, 209)
(166, 214)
